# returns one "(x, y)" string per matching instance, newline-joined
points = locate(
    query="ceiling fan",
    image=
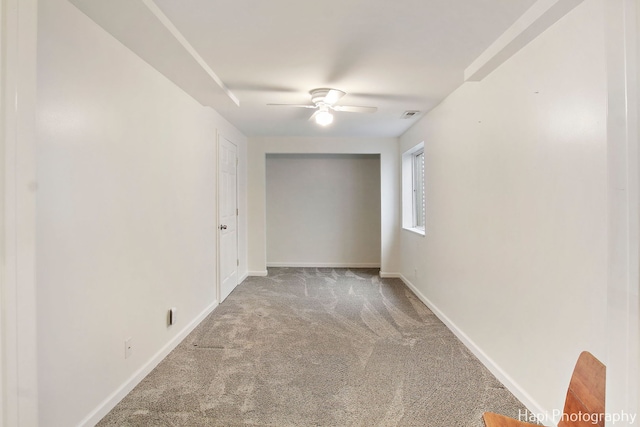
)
(324, 100)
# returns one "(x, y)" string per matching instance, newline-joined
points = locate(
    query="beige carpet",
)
(317, 347)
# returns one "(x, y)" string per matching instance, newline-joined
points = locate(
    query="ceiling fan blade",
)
(355, 109)
(293, 105)
(333, 96)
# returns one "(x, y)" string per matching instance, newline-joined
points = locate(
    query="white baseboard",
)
(325, 264)
(258, 273)
(243, 277)
(110, 402)
(387, 275)
(493, 367)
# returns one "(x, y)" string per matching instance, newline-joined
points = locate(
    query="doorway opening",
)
(323, 210)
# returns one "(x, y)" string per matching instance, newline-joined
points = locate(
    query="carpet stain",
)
(317, 347)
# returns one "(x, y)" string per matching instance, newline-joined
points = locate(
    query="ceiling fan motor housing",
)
(318, 95)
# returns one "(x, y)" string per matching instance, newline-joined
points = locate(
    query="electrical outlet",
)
(172, 316)
(128, 348)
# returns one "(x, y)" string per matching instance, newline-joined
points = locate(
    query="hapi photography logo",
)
(557, 415)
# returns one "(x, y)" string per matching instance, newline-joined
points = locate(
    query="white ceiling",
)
(396, 55)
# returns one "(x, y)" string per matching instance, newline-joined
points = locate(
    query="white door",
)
(227, 218)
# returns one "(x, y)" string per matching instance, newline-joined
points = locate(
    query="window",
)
(418, 190)
(413, 194)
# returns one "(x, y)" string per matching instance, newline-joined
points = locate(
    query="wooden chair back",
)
(584, 405)
(586, 394)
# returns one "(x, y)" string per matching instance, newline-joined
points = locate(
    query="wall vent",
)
(410, 114)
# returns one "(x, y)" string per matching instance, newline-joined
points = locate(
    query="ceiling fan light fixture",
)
(324, 102)
(324, 118)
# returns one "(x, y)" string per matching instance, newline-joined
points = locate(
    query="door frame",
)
(219, 136)
(622, 32)
(18, 305)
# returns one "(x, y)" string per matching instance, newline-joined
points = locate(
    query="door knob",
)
(223, 227)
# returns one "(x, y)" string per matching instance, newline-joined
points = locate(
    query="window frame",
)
(412, 177)
(418, 187)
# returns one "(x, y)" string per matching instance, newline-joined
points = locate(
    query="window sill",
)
(419, 231)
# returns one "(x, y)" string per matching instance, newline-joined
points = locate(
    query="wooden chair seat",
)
(586, 395)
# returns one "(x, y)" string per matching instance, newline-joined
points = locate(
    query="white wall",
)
(126, 215)
(389, 189)
(515, 254)
(323, 210)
